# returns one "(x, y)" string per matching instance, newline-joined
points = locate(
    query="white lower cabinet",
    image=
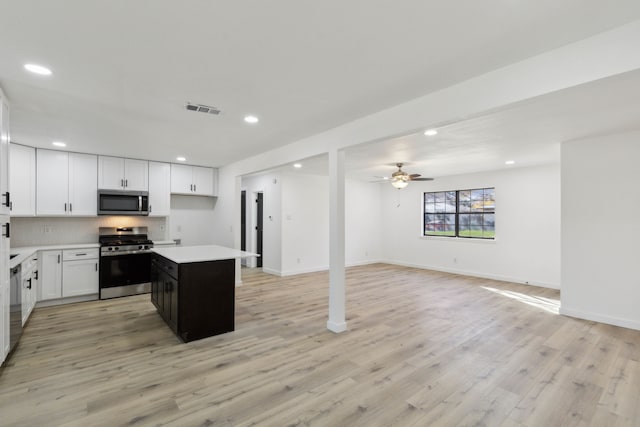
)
(79, 272)
(29, 276)
(50, 272)
(68, 273)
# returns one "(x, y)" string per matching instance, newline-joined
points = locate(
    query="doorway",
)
(243, 224)
(259, 224)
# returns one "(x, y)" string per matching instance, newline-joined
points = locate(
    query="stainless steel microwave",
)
(114, 202)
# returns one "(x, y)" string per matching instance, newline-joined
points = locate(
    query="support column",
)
(336, 322)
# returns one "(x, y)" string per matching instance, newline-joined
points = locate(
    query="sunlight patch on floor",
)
(547, 304)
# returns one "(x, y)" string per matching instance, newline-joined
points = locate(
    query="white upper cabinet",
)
(117, 173)
(193, 180)
(83, 184)
(52, 182)
(159, 189)
(4, 155)
(66, 183)
(22, 180)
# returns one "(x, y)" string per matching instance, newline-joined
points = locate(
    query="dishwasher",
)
(15, 308)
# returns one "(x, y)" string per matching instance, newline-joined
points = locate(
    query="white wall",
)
(55, 231)
(192, 220)
(305, 225)
(601, 229)
(527, 244)
(296, 238)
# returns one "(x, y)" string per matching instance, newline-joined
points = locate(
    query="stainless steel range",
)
(125, 261)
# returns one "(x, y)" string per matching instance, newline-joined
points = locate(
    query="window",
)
(461, 213)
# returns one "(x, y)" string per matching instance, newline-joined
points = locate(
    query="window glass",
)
(462, 213)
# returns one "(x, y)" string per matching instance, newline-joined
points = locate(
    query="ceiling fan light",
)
(399, 183)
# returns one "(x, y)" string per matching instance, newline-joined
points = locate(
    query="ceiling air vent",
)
(202, 108)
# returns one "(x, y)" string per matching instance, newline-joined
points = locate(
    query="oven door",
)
(125, 274)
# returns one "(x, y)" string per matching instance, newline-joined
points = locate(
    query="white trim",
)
(476, 274)
(325, 268)
(601, 318)
(336, 327)
(270, 271)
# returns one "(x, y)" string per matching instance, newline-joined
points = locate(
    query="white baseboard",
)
(475, 274)
(68, 300)
(270, 271)
(601, 318)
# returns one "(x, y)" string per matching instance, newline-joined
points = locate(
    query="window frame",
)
(458, 212)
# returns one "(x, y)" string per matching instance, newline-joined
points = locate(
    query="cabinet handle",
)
(58, 258)
(65, 207)
(36, 273)
(126, 182)
(10, 206)
(150, 208)
(7, 233)
(122, 183)
(29, 286)
(81, 254)
(70, 207)
(195, 188)
(7, 199)
(96, 266)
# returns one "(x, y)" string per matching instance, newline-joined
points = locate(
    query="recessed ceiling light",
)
(430, 132)
(181, 159)
(510, 162)
(297, 165)
(38, 69)
(251, 119)
(59, 144)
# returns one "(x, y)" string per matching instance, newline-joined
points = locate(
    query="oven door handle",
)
(139, 203)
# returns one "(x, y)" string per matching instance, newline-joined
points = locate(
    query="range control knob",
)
(116, 248)
(139, 247)
(146, 247)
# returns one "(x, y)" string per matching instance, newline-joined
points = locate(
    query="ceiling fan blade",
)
(414, 175)
(422, 179)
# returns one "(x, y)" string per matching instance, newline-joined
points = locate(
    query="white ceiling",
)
(124, 69)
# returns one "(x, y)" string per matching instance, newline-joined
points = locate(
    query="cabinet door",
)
(159, 189)
(4, 290)
(52, 182)
(27, 295)
(4, 154)
(110, 173)
(22, 180)
(49, 275)
(202, 181)
(181, 179)
(83, 184)
(80, 278)
(136, 175)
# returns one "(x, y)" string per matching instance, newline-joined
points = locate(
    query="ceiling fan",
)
(400, 179)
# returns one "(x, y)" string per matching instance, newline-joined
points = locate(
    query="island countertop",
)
(187, 254)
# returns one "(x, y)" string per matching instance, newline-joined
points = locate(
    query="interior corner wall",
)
(191, 219)
(600, 229)
(270, 185)
(527, 244)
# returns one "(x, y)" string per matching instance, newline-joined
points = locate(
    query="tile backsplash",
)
(54, 231)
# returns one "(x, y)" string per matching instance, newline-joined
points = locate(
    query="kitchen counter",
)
(193, 289)
(24, 252)
(189, 254)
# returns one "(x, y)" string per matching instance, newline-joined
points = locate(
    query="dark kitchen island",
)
(193, 289)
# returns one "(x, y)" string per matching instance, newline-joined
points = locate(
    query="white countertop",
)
(164, 242)
(187, 254)
(25, 252)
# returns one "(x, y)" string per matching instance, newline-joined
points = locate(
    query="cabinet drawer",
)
(75, 254)
(163, 264)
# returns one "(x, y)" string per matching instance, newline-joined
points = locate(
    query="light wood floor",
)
(422, 348)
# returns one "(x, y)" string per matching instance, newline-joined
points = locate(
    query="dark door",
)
(243, 220)
(259, 228)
